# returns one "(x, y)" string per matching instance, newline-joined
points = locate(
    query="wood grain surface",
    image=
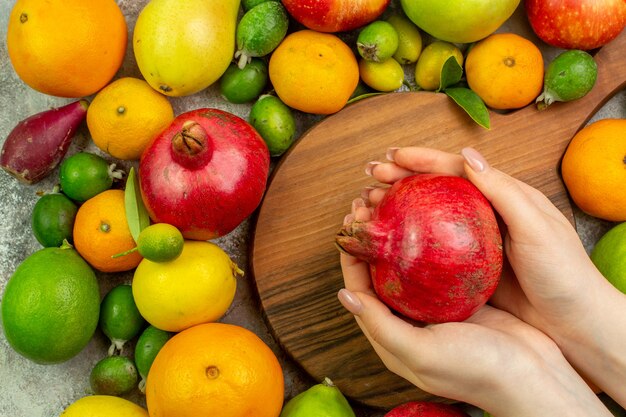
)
(294, 260)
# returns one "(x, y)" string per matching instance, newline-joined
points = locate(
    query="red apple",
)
(576, 24)
(335, 15)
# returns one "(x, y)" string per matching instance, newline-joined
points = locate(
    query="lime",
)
(119, 317)
(244, 85)
(609, 256)
(385, 76)
(52, 220)
(103, 406)
(50, 305)
(148, 345)
(249, 4)
(430, 63)
(570, 76)
(113, 375)
(377, 41)
(274, 122)
(83, 175)
(409, 39)
(160, 242)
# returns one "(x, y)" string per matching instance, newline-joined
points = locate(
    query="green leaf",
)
(362, 96)
(451, 73)
(136, 213)
(471, 103)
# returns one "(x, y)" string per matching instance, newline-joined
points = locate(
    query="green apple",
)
(459, 21)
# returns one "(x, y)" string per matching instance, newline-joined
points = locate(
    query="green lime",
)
(570, 76)
(609, 256)
(52, 220)
(377, 41)
(160, 242)
(83, 175)
(244, 85)
(274, 122)
(260, 30)
(148, 345)
(430, 63)
(113, 375)
(249, 4)
(50, 305)
(386, 76)
(120, 319)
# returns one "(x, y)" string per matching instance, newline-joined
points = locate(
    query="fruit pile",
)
(156, 186)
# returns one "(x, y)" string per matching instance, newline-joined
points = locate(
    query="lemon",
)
(103, 406)
(430, 63)
(50, 305)
(197, 287)
(160, 242)
(609, 256)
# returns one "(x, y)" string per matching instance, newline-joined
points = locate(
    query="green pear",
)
(321, 400)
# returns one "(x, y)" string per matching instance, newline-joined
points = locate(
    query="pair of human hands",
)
(507, 358)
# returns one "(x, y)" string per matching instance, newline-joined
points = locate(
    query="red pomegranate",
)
(426, 409)
(433, 245)
(204, 174)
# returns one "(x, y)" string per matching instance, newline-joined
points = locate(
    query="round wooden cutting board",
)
(294, 260)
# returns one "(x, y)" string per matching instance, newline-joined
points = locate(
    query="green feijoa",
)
(378, 41)
(148, 345)
(239, 85)
(120, 319)
(249, 4)
(52, 219)
(260, 30)
(113, 375)
(83, 175)
(570, 76)
(275, 123)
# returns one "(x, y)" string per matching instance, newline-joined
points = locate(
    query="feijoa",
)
(377, 41)
(52, 219)
(260, 30)
(239, 85)
(113, 375)
(120, 319)
(249, 4)
(275, 123)
(84, 174)
(570, 76)
(148, 345)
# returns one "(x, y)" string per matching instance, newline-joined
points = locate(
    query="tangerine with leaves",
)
(215, 369)
(505, 70)
(594, 169)
(66, 48)
(101, 231)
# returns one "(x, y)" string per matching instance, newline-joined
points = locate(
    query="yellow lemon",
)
(197, 287)
(103, 406)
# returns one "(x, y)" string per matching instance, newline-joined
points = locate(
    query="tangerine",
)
(66, 48)
(215, 369)
(101, 231)
(594, 169)
(314, 72)
(505, 70)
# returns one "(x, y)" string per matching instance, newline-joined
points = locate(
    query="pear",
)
(321, 400)
(183, 47)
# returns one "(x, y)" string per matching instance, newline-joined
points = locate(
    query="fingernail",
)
(349, 301)
(365, 192)
(474, 159)
(356, 203)
(370, 167)
(391, 153)
(348, 219)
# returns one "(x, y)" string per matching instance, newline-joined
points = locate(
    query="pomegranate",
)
(204, 174)
(433, 245)
(426, 409)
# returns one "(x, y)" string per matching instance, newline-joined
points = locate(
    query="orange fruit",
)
(126, 115)
(314, 72)
(505, 70)
(594, 169)
(215, 369)
(101, 231)
(66, 48)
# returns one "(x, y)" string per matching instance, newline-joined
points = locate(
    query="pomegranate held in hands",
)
(204, 174)
(433, 245)
(335, 15)
(426, 409)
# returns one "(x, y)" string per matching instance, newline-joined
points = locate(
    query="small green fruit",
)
(275, 123)
(609, 256)
(120, 319)
(409, 40)
(378, 41)
(52, 219)
(386, 76)
(113, 375)
(244, 85)
(321, 400)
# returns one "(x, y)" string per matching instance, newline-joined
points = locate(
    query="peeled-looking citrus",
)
(594, 169)
(215, 369)
(66, 48)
